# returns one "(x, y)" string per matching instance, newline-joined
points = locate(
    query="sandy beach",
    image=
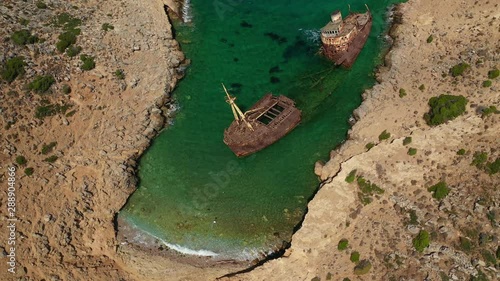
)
(66, 209)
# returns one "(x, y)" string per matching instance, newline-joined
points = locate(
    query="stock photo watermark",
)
(11, 219)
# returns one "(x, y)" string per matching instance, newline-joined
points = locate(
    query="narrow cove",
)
(193, 193)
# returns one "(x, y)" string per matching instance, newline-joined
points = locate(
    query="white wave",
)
(312, 35)
(187, 15)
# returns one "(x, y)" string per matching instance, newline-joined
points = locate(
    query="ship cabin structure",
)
(338, 33)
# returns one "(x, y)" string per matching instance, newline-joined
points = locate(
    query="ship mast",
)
(237, 113)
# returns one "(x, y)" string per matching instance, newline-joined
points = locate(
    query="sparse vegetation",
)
(493, 167)
(41, 84)
(363, 267)
(343, 244)
(413, 217)
(48, 109)
(402, 93)
(47, 148)
(107, 26)
(487, 83)
(445, 108)
(119, 74)
(421, 87)
(351, 177)
(354, 257)
(66, 89)
(369, 145)
(422, 241)
(439, 190)
(384, 135)
(494, 73)
(367, 190)
(407, 141)
(23, 37)
(21, 160)
(430, 39)
(459, 69)
(41, 5)
(490, 110)
(412, 151)
(73, 51)
(51, 159)
(68, 37)
(23, 21)
(13, 68)
(479, 159)
(465, 244)
(88, 62)
(28, 171)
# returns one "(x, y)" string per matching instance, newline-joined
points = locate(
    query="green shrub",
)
(493, 167)
(23, 37)
(13, 68)
(73, 51)
(465, 244)
(487, 83)
(461, 152)
(329, 276)
(67, 39)
(363, 267)
(459, 69)
(28, 171)
(41, 84)
(479, 159)
(421, 87)
(384, 135)
(41, 5)
(430, 39)
(489, 257)
(402, 93)
(66, 89)
(369, 145)
(439, 190)
(343, 244)
(490, 110)
(107, 26)
(88, 62)
(47, 148)
(498, 253)
(47, 110)
(413, 218)
(346, 279)
(66, 21)
(23, 21)
(445, 108)
(51, 159)
(412, 151)
(354, 257)
(407, 141)
(422, 241)
(21, 160)
(351, 177)
(316, 279)
(494, 73)
(480, 276)
(119, 74)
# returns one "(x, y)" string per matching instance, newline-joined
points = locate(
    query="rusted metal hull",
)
(348, 57)
(244, 141)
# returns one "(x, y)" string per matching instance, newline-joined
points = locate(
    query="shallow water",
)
(193, 192)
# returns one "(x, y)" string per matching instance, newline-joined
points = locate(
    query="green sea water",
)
(194, 194)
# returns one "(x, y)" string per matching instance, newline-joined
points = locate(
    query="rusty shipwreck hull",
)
(347, 58)
(271, 119)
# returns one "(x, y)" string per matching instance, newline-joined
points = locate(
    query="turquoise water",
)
(193, 192)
